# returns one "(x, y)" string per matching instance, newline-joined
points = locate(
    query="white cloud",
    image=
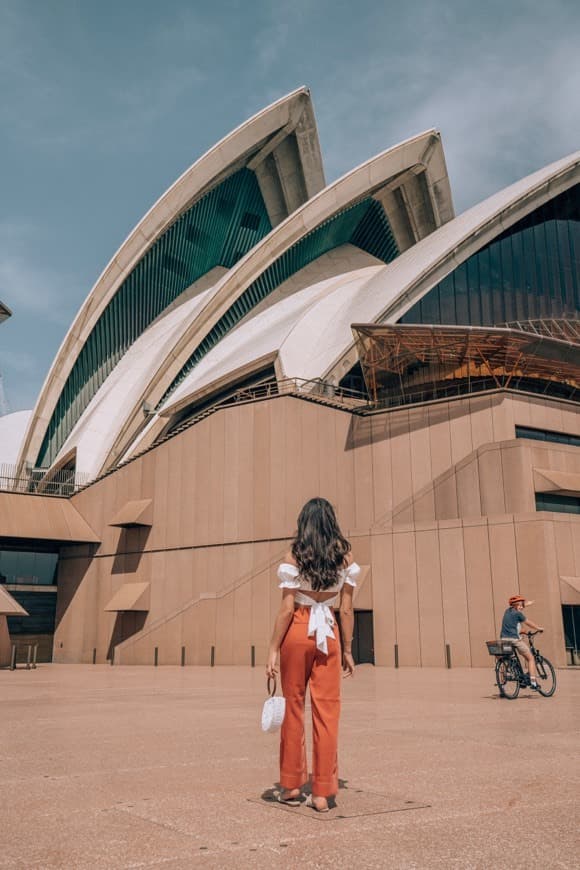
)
(502, 89)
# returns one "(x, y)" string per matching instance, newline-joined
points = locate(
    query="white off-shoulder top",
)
(321, 620)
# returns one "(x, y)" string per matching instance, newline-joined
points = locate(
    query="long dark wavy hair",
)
(319, 548)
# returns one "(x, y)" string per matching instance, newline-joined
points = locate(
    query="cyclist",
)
(513, 620)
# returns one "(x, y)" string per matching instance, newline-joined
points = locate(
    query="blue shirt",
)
(510, 623)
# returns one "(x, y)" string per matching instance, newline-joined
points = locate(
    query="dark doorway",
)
(363, 643)
(571, 616)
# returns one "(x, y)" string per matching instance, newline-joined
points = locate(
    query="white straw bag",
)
(273, 710)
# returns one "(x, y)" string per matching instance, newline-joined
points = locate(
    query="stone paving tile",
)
(108, 768)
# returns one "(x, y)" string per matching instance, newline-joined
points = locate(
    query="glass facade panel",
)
(508, 295)
(546, 435)
(41, 609)
(27, 568)
(554, 276)
(560, 504)
(461, 293)
(495, 284)
(531, 270)
(446, 299)
(482, 259)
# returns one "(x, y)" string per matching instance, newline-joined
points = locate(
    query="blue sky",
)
(103, 105)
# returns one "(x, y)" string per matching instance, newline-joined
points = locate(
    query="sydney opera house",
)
(262, 337)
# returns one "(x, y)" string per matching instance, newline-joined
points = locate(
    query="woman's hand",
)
(271, 666)
(347, 664)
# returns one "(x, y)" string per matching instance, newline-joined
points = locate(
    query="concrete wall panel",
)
(174, 488)
(246, 472)
(445, 495)
(406, 598)
(479, 592)
(570, 420)
(502, 418)
(261, 464)
(504, 567)
(385, 628)
(201, 448)
(490, 475)
(468, 495)
(424, 506)
(565, 556)
(293, 493)
(454, 594)
(421, 467)
(242, 568)
(382, 479)
(539, 581)
(440, 439)
(346, 500)
(460, 430)
(220, 474)
(363, 485)
(431, 631)
(158, 536)
(518, 478)
(328, 457)
(260, 592)
(481, 420)
(310, 443)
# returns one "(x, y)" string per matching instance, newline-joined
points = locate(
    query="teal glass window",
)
(561, 504)
(41, 609)
(546, 435)
(28, 568)
(216, 231)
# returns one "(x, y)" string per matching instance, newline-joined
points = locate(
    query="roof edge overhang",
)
(43, 517)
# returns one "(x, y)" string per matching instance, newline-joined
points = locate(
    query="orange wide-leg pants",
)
(302, 664)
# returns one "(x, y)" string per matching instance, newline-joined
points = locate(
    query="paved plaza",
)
(138, 767)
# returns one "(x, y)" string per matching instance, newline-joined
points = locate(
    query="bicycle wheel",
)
(507, 679)
(546, 677)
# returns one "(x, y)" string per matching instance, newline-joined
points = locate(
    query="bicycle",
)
(510, 675)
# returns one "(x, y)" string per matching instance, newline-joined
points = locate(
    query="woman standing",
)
(317, 570)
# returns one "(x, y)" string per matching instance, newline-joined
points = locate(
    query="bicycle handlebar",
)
(534, 633)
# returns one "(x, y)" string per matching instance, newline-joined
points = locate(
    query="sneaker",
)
(533, 686)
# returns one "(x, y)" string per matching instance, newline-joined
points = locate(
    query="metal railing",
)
(446, 390)
(315, 390)
(41, 481)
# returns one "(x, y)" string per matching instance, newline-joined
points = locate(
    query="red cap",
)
(515, 599)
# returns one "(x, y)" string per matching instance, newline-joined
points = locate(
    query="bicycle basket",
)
(499, 647)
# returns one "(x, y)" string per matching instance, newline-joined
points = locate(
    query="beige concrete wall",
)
(438, 500)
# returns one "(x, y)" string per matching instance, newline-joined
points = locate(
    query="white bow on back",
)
(321, 624)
